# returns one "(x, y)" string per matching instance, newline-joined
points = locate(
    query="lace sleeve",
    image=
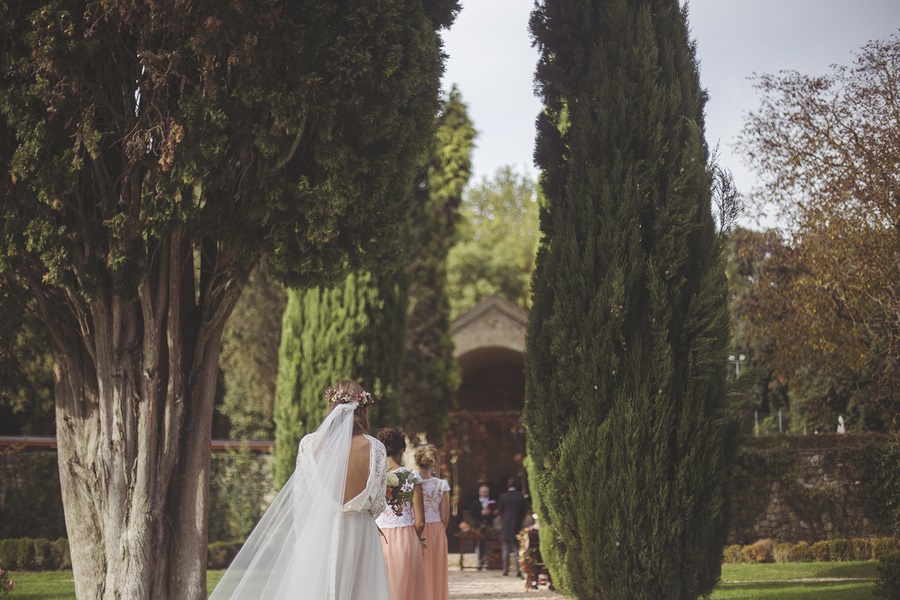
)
(379, 477)
(304, 444)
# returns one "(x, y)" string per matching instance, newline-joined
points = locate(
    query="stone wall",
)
(791, 493)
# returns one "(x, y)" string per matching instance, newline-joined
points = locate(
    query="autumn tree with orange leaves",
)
(828, 150)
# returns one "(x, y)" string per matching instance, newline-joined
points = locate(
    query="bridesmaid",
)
(437, 513)
(402, 534)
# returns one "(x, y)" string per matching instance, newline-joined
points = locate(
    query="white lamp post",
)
(737, 360)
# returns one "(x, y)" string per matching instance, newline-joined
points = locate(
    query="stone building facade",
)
(486, 440)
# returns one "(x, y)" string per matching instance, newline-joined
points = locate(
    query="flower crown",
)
(336, 396)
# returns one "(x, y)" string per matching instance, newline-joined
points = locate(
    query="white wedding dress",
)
(310, 545)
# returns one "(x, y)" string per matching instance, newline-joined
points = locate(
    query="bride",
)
(318, 539)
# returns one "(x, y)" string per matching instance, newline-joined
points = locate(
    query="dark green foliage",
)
(429, 372)
(220, 554)
(353, 330)
(250, 358)
(239, 488)
(884, 546)
(627, 339)
(26, 369)
(150, 158)
(880, 470)
(265, 153)
(888, 583)
(840, 549)
(801, 552)
(30, 497)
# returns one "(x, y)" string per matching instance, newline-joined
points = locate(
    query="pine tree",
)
(627, 341)
(352, 330)
(430, 374)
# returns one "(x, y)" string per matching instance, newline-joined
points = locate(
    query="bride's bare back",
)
(357, 467)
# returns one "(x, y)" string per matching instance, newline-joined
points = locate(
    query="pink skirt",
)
(403, 559)
(436, 585)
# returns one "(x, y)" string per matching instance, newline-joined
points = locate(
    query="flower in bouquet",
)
(400, 487)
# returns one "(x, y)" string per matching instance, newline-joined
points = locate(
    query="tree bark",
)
(134, 395)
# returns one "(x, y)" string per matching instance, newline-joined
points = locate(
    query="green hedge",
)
(888, 583)
(26, 554)
(41, 554)
(31, 500)
(836, 550)
(30, 497)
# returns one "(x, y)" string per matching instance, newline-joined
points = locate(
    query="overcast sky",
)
(492, 62)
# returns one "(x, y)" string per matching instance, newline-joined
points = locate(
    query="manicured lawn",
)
(739, 582)
(59, 585)
(49, 585)
(782, 571)
(784, 581)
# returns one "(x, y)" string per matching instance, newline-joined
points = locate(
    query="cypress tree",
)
(430, 374)
(355, 330)
(625, 369)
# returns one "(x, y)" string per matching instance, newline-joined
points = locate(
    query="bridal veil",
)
(293, 551)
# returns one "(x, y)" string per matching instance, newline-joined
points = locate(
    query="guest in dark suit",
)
(512, 511)
(482, 510)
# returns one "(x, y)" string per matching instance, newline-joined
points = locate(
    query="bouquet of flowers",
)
(400, 489)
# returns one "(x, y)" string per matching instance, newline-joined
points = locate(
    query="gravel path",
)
(487, 585)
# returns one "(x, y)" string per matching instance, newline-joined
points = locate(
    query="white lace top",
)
(433, 491)
(388, 518)
(372, 497)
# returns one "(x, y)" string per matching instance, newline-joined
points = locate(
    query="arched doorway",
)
(486, 440)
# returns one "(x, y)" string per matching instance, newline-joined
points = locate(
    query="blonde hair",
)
(360, 414)
(426, 456)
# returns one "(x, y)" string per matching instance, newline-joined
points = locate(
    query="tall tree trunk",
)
(134, 396)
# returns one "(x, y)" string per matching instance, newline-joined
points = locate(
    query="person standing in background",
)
(512, 512)
(482, 510)
(436, 493)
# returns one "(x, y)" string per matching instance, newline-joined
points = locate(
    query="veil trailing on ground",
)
(292, 552)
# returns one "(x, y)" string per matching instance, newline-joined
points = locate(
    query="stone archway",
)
(486, 440)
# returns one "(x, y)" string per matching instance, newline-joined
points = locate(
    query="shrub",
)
(60, 553)
(220, 554)
(888, 583)
(882, 546)
(234, 506)
(861, 548)
(732, 554)
(8, 553)
(840, 549)
(820, 551)
(758, 552)
(781, 553)
(44, 555)
(25, 554)
(5, 582)
(801, 552)
(32, 501)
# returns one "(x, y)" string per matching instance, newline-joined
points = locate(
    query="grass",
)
(59, 585)
(46, 585)
(792, 581)
(781, 581)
